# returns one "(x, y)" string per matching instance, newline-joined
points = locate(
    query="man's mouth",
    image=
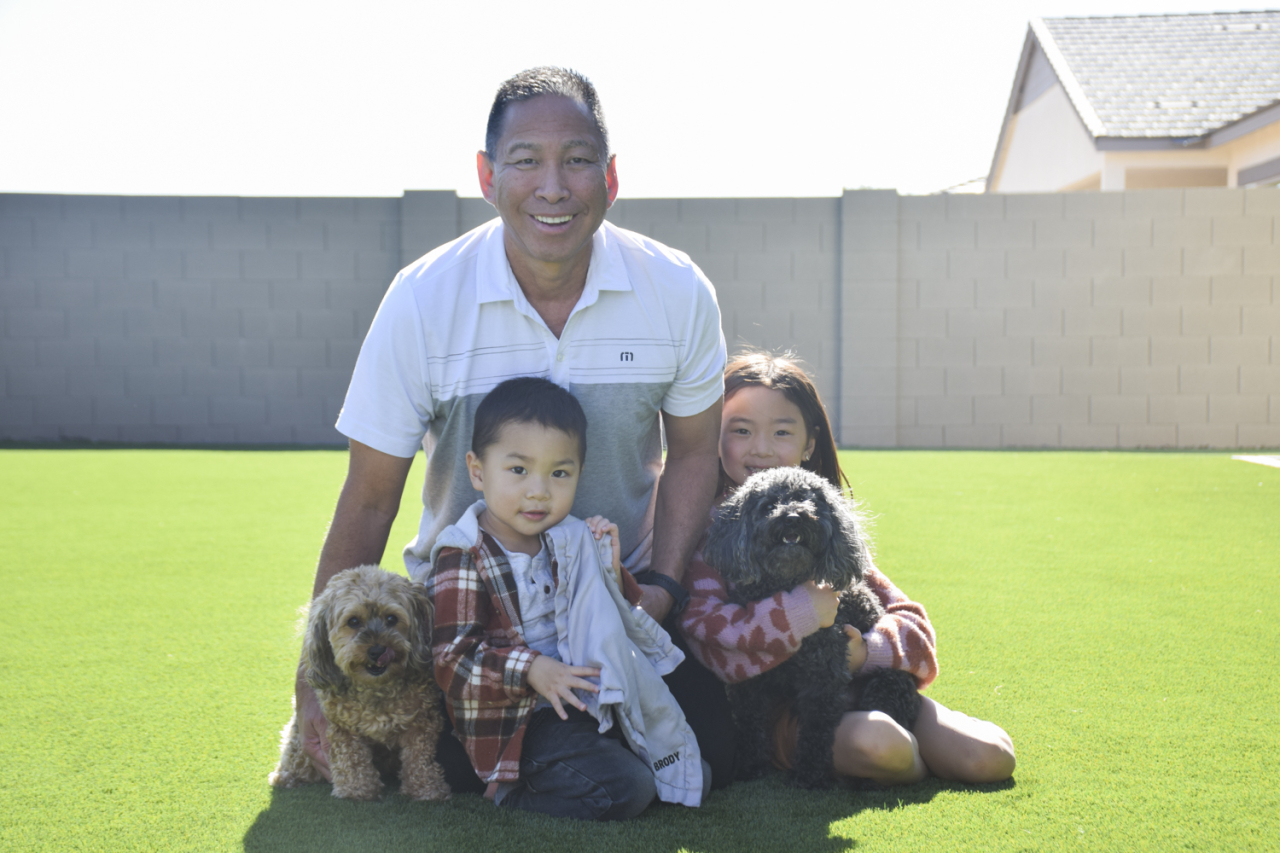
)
(552, 220)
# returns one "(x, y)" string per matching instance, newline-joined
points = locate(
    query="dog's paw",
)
(812, 781)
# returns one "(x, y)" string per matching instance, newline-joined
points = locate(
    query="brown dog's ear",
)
(323, 672)
(420, 631)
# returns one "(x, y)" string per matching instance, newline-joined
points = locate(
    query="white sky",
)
(370, 98)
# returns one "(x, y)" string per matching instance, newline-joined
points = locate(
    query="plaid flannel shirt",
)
(481, 660)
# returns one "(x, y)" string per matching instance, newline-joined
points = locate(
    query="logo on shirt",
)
(626, 356)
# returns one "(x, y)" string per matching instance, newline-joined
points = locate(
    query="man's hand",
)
(825, 601)
(601, 526)
(856, 655)
(555, 681)
(312, 726)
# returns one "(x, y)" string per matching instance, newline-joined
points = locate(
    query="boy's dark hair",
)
(528, 399)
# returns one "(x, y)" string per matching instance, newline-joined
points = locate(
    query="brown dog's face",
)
(367, 626)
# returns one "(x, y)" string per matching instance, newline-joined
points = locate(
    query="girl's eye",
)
(353, 622)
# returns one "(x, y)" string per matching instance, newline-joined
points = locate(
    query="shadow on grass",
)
(764, 815)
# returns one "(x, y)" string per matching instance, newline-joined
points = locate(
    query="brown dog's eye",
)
(391, 619)
(353, 622)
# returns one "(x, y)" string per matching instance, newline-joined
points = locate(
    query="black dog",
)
(782, 527)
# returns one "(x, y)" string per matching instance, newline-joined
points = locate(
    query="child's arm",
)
(903, 638)
(601, 526)
(468, 664)
(737, 642)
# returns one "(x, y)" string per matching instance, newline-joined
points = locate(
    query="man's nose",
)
(553, 187)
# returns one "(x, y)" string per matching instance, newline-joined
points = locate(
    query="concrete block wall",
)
(1135, 319)
(186, 320)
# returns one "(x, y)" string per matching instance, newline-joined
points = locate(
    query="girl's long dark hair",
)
(783, 373)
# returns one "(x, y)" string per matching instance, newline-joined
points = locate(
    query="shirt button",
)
(547, 589)
(560, 356)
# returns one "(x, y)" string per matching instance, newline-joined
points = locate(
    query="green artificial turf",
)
(1115, 612)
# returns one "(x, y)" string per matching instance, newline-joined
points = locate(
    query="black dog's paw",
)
(749, 772)
(812, 779)
(891, 691)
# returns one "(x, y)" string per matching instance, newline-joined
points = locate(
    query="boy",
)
(525, 616)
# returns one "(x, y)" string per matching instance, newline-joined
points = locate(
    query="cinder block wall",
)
(1137, 319)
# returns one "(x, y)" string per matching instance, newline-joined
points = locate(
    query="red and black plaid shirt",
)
(481, 660)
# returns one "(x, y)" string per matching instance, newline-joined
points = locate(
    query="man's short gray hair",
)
(544, 80)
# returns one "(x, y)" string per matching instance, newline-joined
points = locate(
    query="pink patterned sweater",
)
(737, 642)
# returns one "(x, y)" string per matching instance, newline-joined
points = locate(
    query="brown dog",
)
(368, 655)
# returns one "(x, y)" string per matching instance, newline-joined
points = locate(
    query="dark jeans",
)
(569, 769)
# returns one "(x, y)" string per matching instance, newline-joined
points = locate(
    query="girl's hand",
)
(856, 655)
(825, 601)
(601, 526)
(555, 682)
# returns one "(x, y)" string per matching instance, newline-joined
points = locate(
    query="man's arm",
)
(367, 506)
(686, 491)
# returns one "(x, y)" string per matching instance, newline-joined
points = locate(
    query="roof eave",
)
(1028, 44)
(1075, 92)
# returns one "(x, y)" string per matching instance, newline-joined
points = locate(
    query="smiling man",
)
(627, 325)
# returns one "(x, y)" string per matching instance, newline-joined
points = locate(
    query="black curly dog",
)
(782, 527)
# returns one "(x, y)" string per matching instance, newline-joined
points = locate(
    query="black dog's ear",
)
(728, 548)
(323, 672)
(423, 615)
(847, 559)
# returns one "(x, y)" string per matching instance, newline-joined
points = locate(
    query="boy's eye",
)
(516, 469)
(560, 472)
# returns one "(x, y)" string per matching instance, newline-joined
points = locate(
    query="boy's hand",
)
(601, 526)
(856, 655)
(825, 601)
(556, 681)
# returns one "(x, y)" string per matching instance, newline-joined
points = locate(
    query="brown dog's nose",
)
(375, 652)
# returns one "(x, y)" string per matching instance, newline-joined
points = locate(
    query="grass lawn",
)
(1115, 612)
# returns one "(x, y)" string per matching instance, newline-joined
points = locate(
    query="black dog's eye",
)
(353, 622)
(391, 619)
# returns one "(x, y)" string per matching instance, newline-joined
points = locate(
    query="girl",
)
(773, 417)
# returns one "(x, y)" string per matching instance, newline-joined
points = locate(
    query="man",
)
(549, 289)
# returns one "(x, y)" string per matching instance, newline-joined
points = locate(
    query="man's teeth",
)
(553, 220)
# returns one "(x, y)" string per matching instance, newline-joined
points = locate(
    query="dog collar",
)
(652, 577)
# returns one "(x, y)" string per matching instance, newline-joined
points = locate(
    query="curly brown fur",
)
(367, 649)
(781, 528)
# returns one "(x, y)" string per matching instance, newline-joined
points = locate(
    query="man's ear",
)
(475, 471)
(611, 178)
(484, 170)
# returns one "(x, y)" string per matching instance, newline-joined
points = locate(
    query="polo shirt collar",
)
(497, 283)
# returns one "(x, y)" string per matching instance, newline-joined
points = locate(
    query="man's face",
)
(549, 180)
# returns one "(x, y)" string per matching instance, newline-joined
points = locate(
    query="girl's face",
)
(761, 429)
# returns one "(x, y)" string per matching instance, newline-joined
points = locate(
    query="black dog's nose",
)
(375, 652)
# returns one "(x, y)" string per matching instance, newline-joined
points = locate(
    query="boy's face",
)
(529, 477)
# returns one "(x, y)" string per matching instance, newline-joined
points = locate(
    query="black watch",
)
(652, 577)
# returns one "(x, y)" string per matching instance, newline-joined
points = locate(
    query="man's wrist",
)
(679, 595)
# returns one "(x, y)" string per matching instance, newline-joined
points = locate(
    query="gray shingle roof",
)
(1172, 75)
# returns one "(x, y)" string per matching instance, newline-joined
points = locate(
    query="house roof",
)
(1153, 76)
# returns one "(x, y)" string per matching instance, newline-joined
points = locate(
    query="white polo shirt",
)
(645, 336)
